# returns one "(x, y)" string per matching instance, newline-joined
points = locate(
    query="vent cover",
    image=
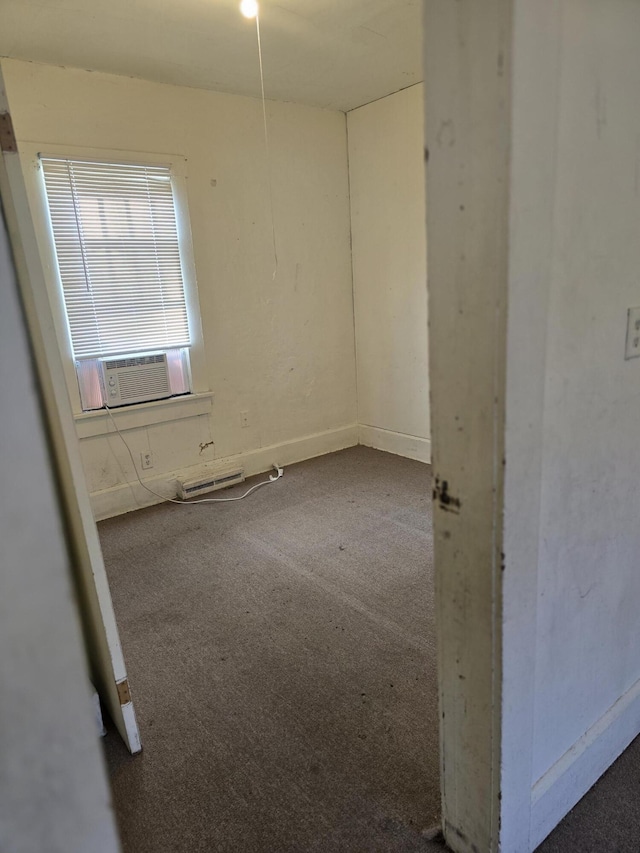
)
(135, 379)
(210, 483)
(135, 361)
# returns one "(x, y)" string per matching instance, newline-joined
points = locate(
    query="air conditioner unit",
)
(134, 379)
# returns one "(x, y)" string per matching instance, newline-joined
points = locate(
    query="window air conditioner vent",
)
(135, 361)
(135, 379)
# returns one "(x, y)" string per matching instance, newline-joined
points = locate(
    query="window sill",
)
(89, 424)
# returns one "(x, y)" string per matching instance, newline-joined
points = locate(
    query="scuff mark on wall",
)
(446, 135)
(204, 445)
(460, 834)
(600, 101)
(590, 590)
(445, 499)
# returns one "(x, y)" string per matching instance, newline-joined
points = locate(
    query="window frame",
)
(30, 159)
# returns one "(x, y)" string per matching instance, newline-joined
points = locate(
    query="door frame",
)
(100, 629)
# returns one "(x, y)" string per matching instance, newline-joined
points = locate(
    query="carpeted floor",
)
(607, 819)
(281, 656)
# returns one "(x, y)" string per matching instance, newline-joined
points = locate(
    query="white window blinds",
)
(116, 241)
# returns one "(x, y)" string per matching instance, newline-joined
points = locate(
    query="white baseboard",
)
(130, 496)
(569, 779)
(395, 442)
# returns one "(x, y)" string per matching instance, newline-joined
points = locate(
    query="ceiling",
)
(337, 54)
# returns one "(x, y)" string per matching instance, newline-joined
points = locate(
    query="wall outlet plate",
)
(633, 333)
(146, 460)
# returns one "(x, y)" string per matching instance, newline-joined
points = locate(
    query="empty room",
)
(320, 338)
(230, 214)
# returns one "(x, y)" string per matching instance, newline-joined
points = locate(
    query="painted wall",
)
(533, 215)
(573, 400)
(589, 582)
(282, 351)
(386, 170)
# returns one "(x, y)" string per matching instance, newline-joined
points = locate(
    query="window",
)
(117, 248)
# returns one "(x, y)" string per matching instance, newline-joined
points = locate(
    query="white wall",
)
(386, 169)
(588, 668)
(282, 351)
(533, 213)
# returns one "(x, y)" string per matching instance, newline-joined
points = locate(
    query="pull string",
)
(268, 153)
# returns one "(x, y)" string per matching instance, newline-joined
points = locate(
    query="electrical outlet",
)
(146, 460)
(633, 333)
(244, 419)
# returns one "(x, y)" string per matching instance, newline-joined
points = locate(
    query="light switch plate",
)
(633, 333)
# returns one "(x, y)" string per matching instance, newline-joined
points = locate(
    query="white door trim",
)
(100, 628)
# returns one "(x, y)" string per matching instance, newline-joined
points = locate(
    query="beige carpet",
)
(281, 657)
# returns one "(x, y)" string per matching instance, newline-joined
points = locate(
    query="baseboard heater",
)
(210, 483)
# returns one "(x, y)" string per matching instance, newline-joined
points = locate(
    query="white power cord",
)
(272, 479)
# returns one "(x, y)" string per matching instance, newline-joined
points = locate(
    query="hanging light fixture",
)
(249, 8)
